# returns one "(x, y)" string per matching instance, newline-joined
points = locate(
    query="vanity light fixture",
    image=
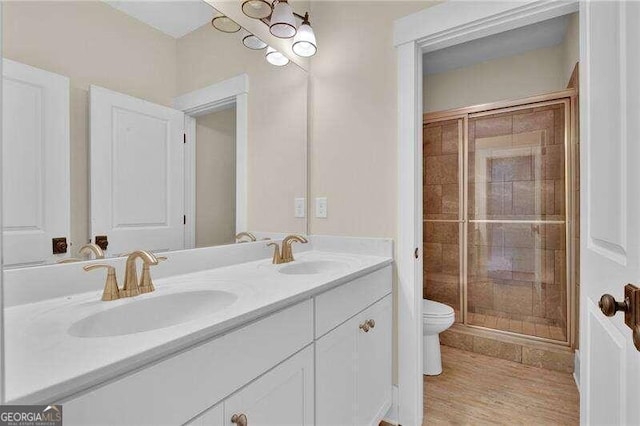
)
(304, 43)
(253, 42)
(282, 23)
(225, 24)
(256, 9)
(276, 58)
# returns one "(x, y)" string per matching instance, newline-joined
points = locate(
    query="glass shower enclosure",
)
(499, 201)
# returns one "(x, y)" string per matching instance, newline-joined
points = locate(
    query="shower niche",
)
(499, 199)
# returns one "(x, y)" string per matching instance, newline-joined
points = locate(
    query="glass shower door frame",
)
(568, 99)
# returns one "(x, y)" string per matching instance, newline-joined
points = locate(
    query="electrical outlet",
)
(299, 207)
(321, 207)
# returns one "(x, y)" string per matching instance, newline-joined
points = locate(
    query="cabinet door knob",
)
(365, 326)
(239, 419)
(371, 323)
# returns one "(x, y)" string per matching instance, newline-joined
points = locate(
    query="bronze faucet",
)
(286, 255)
(92, 248)
(248, 235)
(132, 285)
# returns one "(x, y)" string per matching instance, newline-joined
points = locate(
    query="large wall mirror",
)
(138, 125)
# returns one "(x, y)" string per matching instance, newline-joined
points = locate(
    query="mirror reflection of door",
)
(137, 173)
(215, 178)
(35, 164)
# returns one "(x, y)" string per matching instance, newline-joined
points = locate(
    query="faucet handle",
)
(111, 290)
(277, 259)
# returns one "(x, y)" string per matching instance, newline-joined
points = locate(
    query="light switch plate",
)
(321, 207)
(299, 207)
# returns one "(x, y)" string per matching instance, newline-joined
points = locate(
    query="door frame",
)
(437, 27)
(216, 97)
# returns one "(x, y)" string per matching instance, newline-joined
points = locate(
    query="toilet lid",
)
(436, 309)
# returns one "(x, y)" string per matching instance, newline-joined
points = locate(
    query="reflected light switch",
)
(299, 207)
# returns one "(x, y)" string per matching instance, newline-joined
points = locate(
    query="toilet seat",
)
(436, 310)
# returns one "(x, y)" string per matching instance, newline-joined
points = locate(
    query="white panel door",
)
(281, 397)
(610, 207)
(35, 163)
(137, 173)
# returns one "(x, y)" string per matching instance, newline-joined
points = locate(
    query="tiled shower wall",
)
(441, 189)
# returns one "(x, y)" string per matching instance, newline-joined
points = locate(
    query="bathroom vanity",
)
(307, 342)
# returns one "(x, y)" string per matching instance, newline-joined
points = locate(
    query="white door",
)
(35, 163)
(610, 207)
(374, 364)
(137, 173)
(282, 397)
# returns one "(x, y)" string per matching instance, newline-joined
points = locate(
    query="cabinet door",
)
(336, 375)
(373, 384)
(281, 397)
(214, 416)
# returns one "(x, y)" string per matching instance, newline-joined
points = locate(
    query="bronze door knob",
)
(609, 305)
(364, 326)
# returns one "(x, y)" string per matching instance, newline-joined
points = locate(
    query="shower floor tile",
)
(481, 390)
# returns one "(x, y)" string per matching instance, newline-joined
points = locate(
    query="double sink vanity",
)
(226, 337)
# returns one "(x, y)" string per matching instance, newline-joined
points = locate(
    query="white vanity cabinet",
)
(353, 369)
(325, 361)
(281, 397)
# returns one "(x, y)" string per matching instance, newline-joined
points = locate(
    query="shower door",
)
(497, 210)
(516, 195)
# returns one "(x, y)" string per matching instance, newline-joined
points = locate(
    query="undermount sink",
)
(313, 267)
(152, 313)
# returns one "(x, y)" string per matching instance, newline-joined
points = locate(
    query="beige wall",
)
(216, 178)
(277, 159)
(530, 73)
(91, 43)
(353, 148)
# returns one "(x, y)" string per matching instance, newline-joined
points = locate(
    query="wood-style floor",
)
(475, 389)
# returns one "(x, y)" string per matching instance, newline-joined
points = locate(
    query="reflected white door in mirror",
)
(35, 166)
(137, 172)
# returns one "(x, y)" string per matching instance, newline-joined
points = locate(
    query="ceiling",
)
(175, 18)
(542, 34)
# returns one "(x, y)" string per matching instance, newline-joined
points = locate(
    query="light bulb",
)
(276, 58)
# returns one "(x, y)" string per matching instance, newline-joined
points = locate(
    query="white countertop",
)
(45, 363)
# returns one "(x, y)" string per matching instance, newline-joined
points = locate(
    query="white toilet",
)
(436, 318)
